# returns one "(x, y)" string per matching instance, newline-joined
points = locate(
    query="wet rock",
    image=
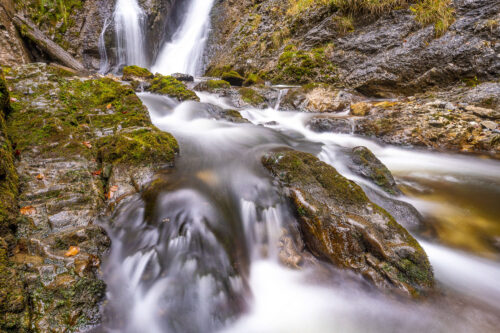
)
(317, 98)
(183, 77)
(339, 224)
(483, 112)
(168, 85)
(366, 164)
(220, 87)
(334, 125)
(360, 109)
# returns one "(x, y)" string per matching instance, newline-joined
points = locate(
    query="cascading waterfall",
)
(201, 253)
(183, 54)
(129, 23)
(104, 63)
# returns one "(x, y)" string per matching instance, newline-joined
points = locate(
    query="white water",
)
(104, 62)
(129, 24)
(160, 274)
(183, 54)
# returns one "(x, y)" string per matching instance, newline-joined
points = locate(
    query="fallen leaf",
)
(28, 210)
(108, 106)
(12, 99)
(97, 173)
(113, 188)
(109, 195)
(17, 153)
(40, 176)
(87, 144)
(124, 112)
(72, 251)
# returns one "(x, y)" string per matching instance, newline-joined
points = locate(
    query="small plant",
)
(437, 12)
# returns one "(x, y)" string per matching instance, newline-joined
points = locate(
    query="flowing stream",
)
(129, 26)
(199, 251)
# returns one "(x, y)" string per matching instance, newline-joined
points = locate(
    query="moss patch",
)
(136, 72)
(250, 96)
(233, 77)
(143, 146)
(167, 85)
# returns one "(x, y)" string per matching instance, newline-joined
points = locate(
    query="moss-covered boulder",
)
(136, 73)
(233, 77)
(252, 97)
(213, 86)
(366, 164)
(167, 85)
(144, 145)
(339, 224)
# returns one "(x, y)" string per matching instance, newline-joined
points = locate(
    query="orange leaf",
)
(72, 251)
(108, 106)
(109, 195)
(40, 176)
(28, 210)
(97, 173)
(87, 144)
(113, 188)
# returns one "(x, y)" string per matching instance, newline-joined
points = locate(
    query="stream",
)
(199, 250)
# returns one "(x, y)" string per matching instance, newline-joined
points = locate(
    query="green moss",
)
(234, 114)
(250, 96)
(253, 79)
(131, 72)
(218, 84)
(167, 85)
(303, 169)
(233, 77)
(140, 146)
(299, 66)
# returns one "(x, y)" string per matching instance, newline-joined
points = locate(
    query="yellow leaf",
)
(40, 176)
(87, 144)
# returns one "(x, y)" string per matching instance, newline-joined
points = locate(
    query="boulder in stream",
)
(342, 226)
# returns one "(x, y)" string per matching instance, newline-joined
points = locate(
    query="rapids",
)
(199, 250)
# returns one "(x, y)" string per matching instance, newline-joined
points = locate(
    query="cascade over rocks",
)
(339, 224)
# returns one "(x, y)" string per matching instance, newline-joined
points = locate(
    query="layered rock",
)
(340, 225)
(390, 51)
(81, 146)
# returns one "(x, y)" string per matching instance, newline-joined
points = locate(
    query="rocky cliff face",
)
(391, 50)
(12, 49)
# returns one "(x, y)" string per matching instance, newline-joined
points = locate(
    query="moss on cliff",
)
(136, 72)
(251, 96)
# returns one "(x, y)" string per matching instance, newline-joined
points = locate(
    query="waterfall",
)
(184, 52)
(104, 63)
(129, 19)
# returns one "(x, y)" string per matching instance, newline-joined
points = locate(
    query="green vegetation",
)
(218, 84)
(136, 72)
(298, 66)
(147, 145)
(167, 85)
(253, 79)
(437, 12)
(53, 16)
(233, 77)
(250, 96)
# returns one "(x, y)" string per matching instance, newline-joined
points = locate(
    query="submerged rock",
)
(339, 224)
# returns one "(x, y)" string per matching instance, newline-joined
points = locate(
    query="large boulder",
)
(341, 225)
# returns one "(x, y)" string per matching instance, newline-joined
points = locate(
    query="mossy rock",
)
(167, 85)
(213, 86)
(142, 146)
(253, 79)
(131, 73)
(233, 77)
(340, 224)
(368, 165)
(250, 96)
